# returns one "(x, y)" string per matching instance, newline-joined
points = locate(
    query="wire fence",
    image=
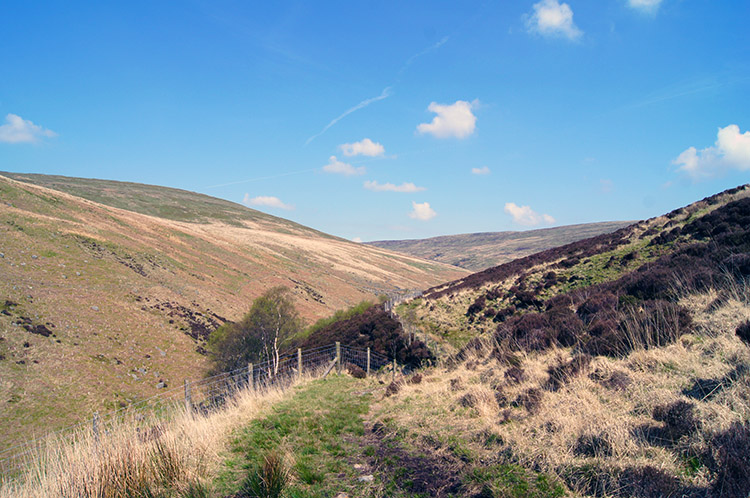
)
(200, 397)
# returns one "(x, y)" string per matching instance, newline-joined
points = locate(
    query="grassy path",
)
(337, 440)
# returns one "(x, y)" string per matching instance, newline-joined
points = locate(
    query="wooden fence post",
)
(338, 357)
(368, 362)
(250, 376)
(188, 402)
(299, 363)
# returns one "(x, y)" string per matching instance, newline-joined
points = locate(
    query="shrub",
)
(743, 332)
(415, 379)
(617, 381)
(569, 328)
(531, 399)
(468, 400)
(477, 306)
(393, 388)
(593, 445)
(515, 375)
(373, 328)
(597, 305)
(647, 482)
(560, 374)
(355, 371)
(730, 460)
(679, 420)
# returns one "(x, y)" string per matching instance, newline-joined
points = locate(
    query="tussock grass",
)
(607, 429)
(173, 457)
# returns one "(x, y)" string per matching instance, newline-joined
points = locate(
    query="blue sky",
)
(388, 120)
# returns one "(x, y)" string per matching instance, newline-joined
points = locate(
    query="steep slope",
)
(616, 366)
(101, 305)
(689, 247)
(477, 251)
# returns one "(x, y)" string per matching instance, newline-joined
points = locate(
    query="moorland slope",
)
(109, 290)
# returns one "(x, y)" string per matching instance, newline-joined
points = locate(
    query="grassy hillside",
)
(477, 251)
(101, 305)
(613, 367)
(618, 365)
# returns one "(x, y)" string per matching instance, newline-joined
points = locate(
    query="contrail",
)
(262, 178)
(420, 54)
(383, 95)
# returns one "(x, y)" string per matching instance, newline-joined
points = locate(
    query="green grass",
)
(514, 481)
(317, 428)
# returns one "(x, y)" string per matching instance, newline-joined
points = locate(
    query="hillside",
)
(640, 262)
(477, 251)
(618, 366)
(108, 290)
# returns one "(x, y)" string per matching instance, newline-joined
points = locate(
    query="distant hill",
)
(110, 289)
(477, 251)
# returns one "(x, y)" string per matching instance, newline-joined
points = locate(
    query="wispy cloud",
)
(266, 201)
(383, 95)
(731, 151)
(452, 120)
(524, 215)
(357, 240)
(484, 170)
(416, 56)
(341, 168)
(422, 212)
(390, 187)
(606, 186)
(18, 130)
(648, 6)
(387, 91)
(553, 19)
(261, 178)
(364, 147)
(688, 88)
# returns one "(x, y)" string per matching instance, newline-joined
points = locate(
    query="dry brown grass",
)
(72, 263)
(617, 415)
(163, 456)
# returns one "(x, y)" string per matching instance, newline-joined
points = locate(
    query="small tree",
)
(272, 320)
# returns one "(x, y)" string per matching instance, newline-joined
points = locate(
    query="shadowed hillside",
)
(477, 251)
(107, 300)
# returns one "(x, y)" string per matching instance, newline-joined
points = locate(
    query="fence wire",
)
(201, 396)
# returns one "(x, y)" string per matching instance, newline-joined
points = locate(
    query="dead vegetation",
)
(666, 420)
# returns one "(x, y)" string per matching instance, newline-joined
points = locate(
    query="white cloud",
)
(358, 240)
(645, 5)
(267, 201)
(422, 211)
(524, 215)
(341, 168)
(454, 120)
(730, 151)
(19, 130)
(364, 147)
(552, 18)
(484, 170)
(389, 187)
